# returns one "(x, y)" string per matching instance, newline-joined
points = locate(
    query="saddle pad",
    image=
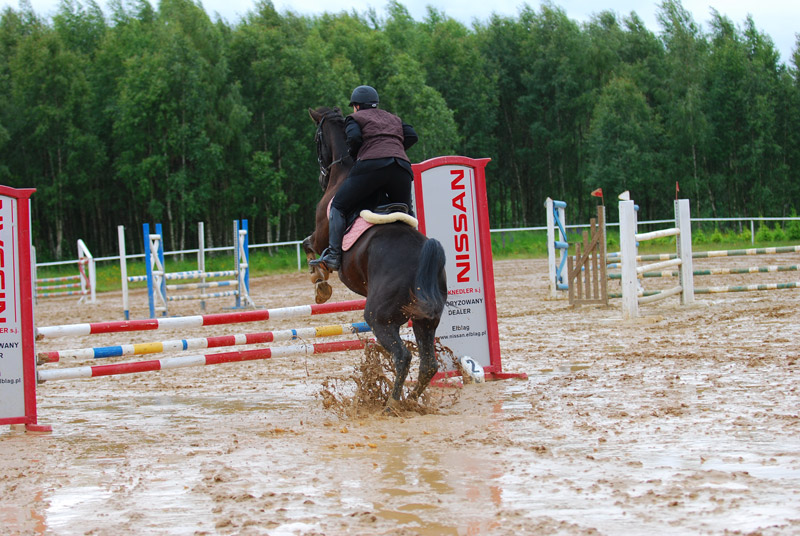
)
(367, 219)
(361, 224)
(355, 232)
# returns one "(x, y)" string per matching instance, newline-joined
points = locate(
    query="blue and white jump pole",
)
(555, 218)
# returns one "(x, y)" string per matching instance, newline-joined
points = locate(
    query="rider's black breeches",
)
(369, 181)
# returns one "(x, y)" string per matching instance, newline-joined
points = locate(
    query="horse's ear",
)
(337, 110)
(315, 115)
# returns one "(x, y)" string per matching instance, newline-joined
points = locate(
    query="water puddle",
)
(73, 505)
(403, 480)
(13, 518)
(165, 501)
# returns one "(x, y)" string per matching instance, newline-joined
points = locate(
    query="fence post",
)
(237, 263)
(683, 222)
(627, 251)
(123, 270)
(88, 278)
(33, 275)
(201, 261)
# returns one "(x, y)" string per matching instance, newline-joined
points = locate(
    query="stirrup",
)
(330, 260)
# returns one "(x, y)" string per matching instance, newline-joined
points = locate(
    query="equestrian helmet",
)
(364, 95)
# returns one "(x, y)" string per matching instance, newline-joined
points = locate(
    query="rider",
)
(377, 140)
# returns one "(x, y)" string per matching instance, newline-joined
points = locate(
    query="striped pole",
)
(740, 252)
(54, 287)
(184, 275)
(709, 254)
(209, 284)
(58, 279)
(197, 274)
(722, 271)
(186, 297)
(204, 342)
(747, 288)
(73, 330)
(750, 270)
(719, 290)
(132, 367)
(61, 293)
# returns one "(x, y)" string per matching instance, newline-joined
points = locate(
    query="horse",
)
(398, 269)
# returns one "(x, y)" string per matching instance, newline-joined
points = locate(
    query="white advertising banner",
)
(453, 221)
(17, 352)
(451, 204)
(12, 386)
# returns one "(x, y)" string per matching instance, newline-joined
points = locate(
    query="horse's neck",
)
(338, 178)
(340, 172)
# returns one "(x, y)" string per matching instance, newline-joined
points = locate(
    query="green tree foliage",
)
(157, 113)
(624, 145)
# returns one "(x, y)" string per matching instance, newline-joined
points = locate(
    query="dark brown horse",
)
(398, 269)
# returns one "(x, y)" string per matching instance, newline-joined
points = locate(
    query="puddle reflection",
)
(461, 485)
(13, 518)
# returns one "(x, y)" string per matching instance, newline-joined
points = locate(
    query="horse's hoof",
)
(323, 291)
(392, 408)
(416, 393)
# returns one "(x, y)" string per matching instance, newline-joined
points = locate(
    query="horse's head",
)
(331, 146)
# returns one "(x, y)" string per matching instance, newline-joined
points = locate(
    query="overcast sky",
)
(780, 19)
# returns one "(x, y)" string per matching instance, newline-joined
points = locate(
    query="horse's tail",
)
(430, 284)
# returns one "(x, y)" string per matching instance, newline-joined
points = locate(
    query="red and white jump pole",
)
(133, 367)
(195, 321)
(200, 343)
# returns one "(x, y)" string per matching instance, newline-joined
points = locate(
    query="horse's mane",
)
(331, 114)
(336, 146)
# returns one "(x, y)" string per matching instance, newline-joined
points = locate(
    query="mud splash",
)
(368, 389)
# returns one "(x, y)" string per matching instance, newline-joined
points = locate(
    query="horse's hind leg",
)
(389, 337)
(425, 333)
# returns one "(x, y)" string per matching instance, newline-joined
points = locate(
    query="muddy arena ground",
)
(684, 422)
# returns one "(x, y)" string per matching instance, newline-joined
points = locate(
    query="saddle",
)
(391, 207)
(382, 214)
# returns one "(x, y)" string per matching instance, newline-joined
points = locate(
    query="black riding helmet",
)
(364, 96)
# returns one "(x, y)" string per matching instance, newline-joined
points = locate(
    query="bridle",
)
(323, 169)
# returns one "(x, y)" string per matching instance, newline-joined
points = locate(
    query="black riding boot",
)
(332, 256)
